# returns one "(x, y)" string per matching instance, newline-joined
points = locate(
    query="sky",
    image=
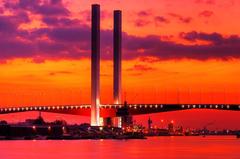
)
(173, 52)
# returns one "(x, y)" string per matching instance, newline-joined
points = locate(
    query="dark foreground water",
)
(210, 147)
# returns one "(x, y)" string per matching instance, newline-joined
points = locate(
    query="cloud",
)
(206, 13)
(60, 73)
(66, 38)
(153, 46)
(160, 19)
(45, 8)
(138, 67)
(180, 18)
(144, 13)
(141, 22)
(209, 2)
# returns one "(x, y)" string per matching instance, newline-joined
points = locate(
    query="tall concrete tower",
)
(95, 65)
(117, 49)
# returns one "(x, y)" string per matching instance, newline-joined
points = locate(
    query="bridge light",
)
(49, 128)
(239, 106)
(34, 127)
(67, 107)
(5, 109)
(26, 108)
(23, 108)
(210, 106)
(40, 108)
(194, 106)
(130, 105)
(216, 106)
(14, 109)
(140, 106)
(156, 106)
(145, 105)
(30, 108)
(161, 106)
(188, 106)
(199, 106)
(1, 109)
(35, 108)
(71, 107)
(183, 106)
(151, 106)
(228, 106)
(18, 109)
(135, 107)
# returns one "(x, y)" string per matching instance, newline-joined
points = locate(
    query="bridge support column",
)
(95, 66)
(117, 70)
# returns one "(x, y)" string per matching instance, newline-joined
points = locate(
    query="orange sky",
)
(147, 78)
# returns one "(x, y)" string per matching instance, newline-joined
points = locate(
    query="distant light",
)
(172, 121)
(100, 128)
(49, 128)
(162, 121)
(34, 127)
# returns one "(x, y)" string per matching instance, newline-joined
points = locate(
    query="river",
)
(194, 147)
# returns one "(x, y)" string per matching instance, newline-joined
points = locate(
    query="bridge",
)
(112, 110)
(117, 109)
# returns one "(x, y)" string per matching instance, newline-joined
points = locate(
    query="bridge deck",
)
(109, 110)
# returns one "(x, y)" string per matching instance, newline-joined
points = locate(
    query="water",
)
(211, 147)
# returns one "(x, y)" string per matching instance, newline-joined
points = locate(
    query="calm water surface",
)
(211, 147)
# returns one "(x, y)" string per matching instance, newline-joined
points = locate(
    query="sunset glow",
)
(171, 53)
